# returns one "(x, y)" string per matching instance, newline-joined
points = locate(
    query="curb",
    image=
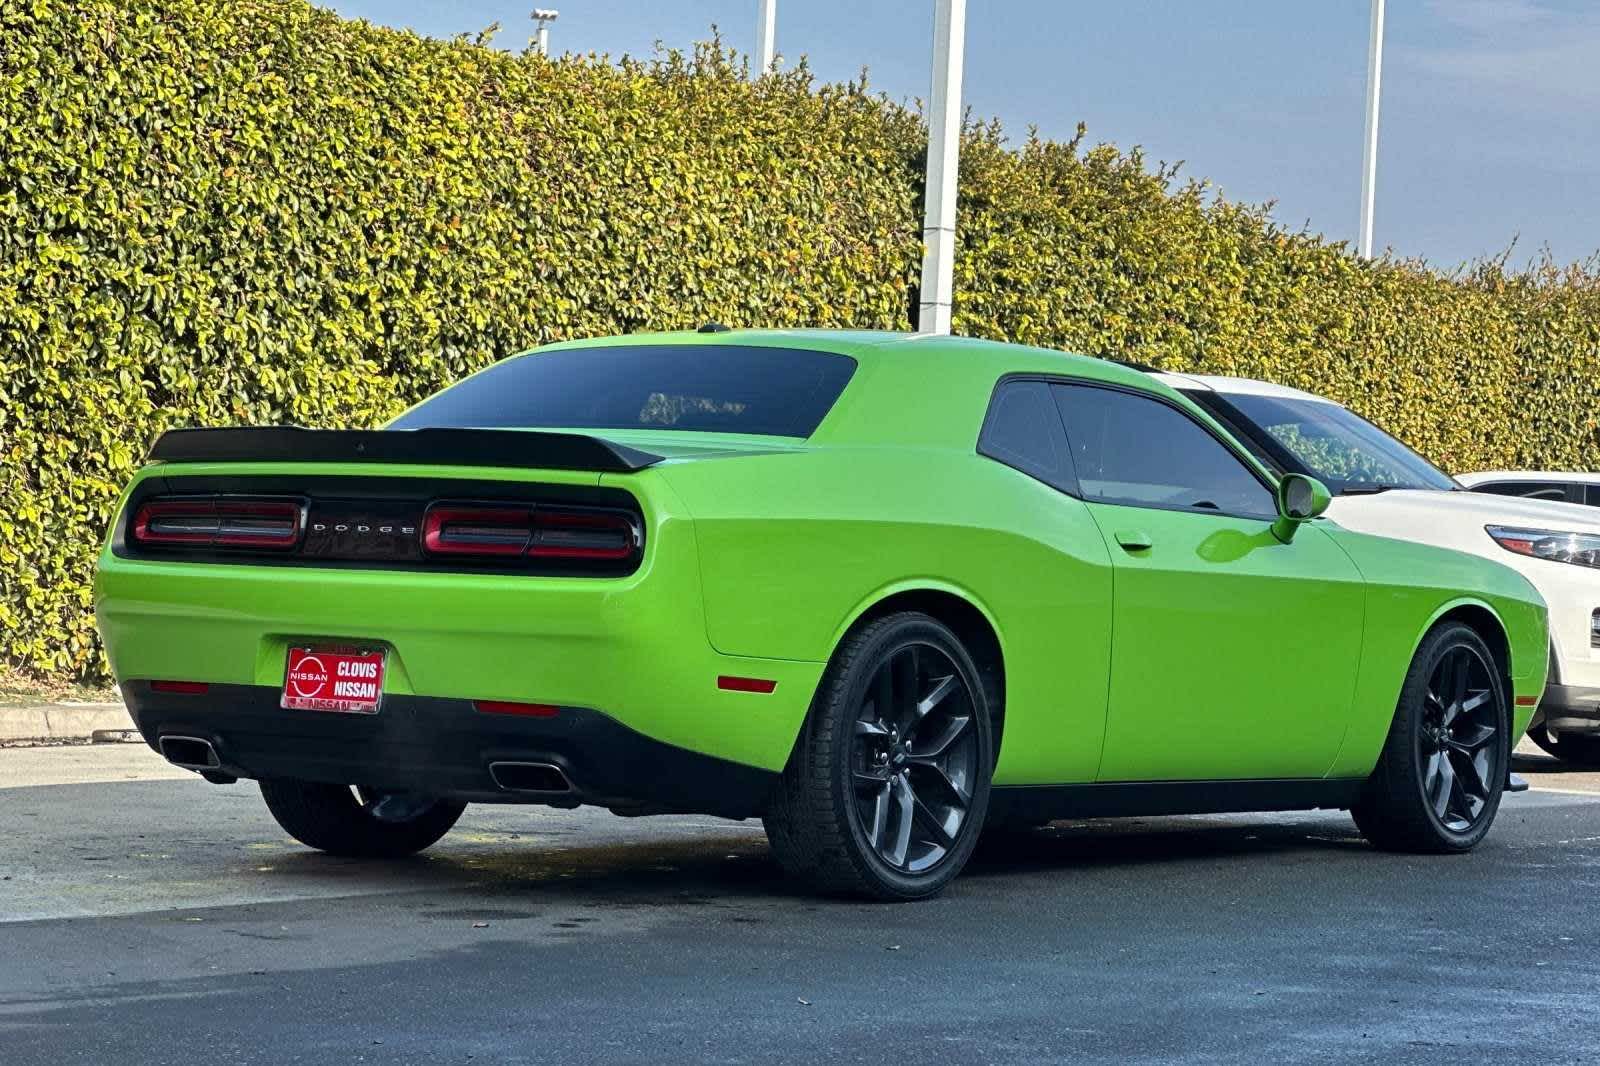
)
(65, 723)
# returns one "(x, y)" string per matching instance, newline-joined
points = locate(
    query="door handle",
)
(1133, 540)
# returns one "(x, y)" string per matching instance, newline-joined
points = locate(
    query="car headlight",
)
(1582, 549)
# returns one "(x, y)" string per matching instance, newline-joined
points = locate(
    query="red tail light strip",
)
(449, 529)
(220, 522)
(574, 534)
(535, 531)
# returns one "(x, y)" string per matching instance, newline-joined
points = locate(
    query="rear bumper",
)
(634, 646)
(445, 747)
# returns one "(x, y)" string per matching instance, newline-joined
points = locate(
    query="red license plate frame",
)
(336, 678)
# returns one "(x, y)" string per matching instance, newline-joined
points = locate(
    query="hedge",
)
(253, 211)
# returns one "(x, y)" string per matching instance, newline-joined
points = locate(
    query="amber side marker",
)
(1527, 701)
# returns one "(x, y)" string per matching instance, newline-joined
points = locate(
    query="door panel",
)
(1233, 655)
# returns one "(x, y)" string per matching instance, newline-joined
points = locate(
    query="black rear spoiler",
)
(434, 447)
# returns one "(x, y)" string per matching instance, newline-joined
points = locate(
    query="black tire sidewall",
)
(913, 630)
(1438, 645)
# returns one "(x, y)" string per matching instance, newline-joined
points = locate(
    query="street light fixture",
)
(543, 16)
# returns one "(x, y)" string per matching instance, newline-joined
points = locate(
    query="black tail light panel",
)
(386, 523)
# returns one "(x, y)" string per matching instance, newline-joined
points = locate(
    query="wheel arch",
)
(1483, 620)
(957, 608)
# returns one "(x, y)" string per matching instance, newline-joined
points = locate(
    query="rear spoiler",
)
(434, 447)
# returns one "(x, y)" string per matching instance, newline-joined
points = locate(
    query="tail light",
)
(539, 532)
(450, 529)
(219, 522)
(582, 534)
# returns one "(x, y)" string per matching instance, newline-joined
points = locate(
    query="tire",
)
(1438, 782)
(1578, 749)
(356, 823)
(864, 788)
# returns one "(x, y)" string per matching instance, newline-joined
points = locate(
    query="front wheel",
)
(1438, 782)
(887, 789)
(358, 822)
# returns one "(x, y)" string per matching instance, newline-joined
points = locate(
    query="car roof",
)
(944, 353)
(1236, 386)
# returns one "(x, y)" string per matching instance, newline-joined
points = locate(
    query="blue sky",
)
(1491, 108)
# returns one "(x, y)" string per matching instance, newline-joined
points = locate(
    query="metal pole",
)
(766, 36)
(541, 39)
(1369, 163)
(944, 153)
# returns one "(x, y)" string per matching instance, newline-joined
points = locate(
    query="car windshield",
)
(1331, 443)
(708, 388)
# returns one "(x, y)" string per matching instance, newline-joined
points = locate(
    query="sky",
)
(1490, 125)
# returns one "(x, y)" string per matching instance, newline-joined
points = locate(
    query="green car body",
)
(1217, 653)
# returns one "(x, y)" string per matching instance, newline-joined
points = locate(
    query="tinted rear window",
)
(716, 388)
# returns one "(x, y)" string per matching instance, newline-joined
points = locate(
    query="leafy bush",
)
(253, 211)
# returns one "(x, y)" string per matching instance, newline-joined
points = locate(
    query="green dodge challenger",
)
(879, 590)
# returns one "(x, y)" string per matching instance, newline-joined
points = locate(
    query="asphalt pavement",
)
(147, 917)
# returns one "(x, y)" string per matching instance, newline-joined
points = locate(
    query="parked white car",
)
(1557, 486)
(1380, 486)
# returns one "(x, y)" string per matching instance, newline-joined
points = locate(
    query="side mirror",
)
(1300, 499)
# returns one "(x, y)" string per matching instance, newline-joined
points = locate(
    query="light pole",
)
(1369, 162)
(543, 16)
(766, 36)
(944, 156)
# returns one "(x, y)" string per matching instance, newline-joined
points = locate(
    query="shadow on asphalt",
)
(691, 869)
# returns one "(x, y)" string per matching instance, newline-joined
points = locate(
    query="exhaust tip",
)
(191, 753)
(540, 777)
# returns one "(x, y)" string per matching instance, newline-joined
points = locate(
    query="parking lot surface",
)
(146, 917)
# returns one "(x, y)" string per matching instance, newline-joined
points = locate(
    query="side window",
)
(1137, 450)
(1023, 431)
(1533, 490)
(1592, 495)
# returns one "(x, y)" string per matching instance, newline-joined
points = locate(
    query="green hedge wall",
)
(253, 211)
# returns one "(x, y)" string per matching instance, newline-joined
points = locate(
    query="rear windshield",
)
(715, 388)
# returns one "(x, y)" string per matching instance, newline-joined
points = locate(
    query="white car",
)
(1557, 486)
(1380, 486)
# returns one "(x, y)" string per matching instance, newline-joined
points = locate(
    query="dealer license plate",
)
(343, 679)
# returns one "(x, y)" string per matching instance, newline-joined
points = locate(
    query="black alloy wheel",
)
(914, 758)
(1459, 739)
(1440, 777)
(888, 786)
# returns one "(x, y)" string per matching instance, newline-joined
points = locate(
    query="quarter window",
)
(1023, 431)
(1137, 450)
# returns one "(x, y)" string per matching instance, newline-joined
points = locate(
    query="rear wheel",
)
(1438, 783)
(886, 791)
(1579, 749)
(359, 822)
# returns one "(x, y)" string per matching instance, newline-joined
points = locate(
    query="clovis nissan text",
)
(882, 591)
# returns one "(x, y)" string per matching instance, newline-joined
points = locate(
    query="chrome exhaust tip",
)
(191, 753)
(542, 778)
